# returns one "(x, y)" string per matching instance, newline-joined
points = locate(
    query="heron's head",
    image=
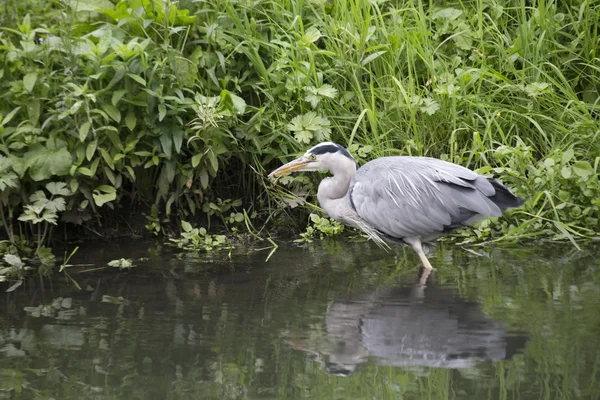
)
(326, 156)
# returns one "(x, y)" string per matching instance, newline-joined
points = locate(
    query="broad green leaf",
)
(186, 226)
(109, 174)
(29, 81)
(583, 169)
(167, 144)
(104, 194)
(9, 116)
(117, 76)
(56, 205)
(233, 102)
(314, 95)
(130, 120)
(429, 106)
(111, 111)
(196, 160)
(131, 172)
(43, 162)
(177, 138)
(115, 139)
(567, 155)
(447, 13)
(238, 103)
(13, 261)
(107, 158)
(91, 150)
(33, 110)
(83, 131)
(204, 178)
(308, 126)
(162, 111)
(117, 96)
(536, 89)
(138, 79)
(58, 188)
(311, 35)
(85, 171)
(214, 163)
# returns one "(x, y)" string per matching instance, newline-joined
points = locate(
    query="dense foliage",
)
(109, 105)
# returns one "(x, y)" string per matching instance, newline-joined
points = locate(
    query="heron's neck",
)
(337, 186)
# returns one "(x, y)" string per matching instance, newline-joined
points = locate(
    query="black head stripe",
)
(345, 152)
(330, 148)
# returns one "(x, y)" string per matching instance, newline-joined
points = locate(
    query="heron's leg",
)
(415, 243)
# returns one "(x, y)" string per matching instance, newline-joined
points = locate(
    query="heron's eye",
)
(312, 157)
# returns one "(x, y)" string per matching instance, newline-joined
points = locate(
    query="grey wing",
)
(420, 197)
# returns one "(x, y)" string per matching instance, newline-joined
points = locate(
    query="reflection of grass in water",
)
(224, 342)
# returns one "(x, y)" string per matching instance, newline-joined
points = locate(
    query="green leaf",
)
(13, 261)
(104, 194)
(56, 205)
(196, 160)
(447, 13)
(162, 111)
(111, 111)
(566, 172)
(167, 144)
(567, 155)
(311, 35)
(314, 95)
(429, 106)
(29, 81)
(308, 126)
(186, 226)
(204, 178)
(9, 116)
(58, 188)
(115, 139)
(138, 79)
(107, 158)
(117, 96)
(91, 149)
(43, 162)
(536, 89)
(583, 169)
(372, 57)
(130, 120)
(83, 131)
(177, 139)
(233, 102)
(214, 163)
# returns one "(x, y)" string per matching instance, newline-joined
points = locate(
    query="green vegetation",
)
(160, 107)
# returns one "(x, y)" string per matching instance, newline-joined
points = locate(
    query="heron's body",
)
(412, 200)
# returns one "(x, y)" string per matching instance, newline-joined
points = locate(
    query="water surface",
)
(333, 320)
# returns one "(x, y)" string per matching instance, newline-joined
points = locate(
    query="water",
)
(334, 320)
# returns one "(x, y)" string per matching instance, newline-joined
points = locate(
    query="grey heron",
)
(403, 199)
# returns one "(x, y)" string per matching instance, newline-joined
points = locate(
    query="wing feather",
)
(419, 196)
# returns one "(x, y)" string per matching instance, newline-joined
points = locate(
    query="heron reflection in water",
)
(410, 200)
(407, 327)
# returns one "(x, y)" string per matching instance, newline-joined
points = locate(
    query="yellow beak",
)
(296, 165)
